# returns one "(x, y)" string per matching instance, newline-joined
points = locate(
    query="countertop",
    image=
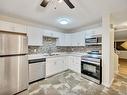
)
(37, 56)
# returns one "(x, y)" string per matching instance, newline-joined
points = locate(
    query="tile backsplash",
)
(49, 44)
(78, 48)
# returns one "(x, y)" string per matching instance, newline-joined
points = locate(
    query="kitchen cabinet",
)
(93, 32)
(50, 33)
(55, 65)
(67, 40)
(12, 27)
(77, 64)
(20, 28)
(60, 40)
(74, 63)
(64, 40)
(35, 36)
(70, 62)
(73, 39)
(7, 26)
(78, 39)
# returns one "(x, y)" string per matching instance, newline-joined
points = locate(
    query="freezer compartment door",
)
(13, 74)
(12, 43)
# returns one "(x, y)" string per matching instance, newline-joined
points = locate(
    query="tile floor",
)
(71, 83)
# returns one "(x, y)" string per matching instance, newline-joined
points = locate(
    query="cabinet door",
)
(34, 36)
(74, 64)
(68, 40)
(98, 31)
(60, 64)
(93, 32)
(55, 65)
(50, 67)
(12, 27)
(20, 28)
(89, 33)
(77, 64)
(70, 62)
(6, 26)
(78, 39)
(60, 40)
(74, 39)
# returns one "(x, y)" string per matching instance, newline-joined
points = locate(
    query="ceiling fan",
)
(45, 3)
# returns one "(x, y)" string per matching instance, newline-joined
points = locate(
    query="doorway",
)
(121, 51)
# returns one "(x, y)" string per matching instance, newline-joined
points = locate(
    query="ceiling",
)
(86, 12)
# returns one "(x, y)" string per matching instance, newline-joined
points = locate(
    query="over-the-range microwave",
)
(93, 41)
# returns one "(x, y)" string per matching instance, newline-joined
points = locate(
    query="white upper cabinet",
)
(68, 40)
(64, 40)
(7, 26)
(20, 28)
(73, 39)
(12, 27)
(78, 39)
(60, 41)
(93, 32)
(50, 33)
(35, 36)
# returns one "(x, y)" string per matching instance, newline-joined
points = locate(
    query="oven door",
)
(91, 69)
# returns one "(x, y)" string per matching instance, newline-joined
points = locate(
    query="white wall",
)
(122, 54)
(107, 51)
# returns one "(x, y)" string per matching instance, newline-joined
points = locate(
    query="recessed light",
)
(63, 21)
(60, 1)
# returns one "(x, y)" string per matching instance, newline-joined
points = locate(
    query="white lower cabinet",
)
(74, 63)
(77, 64)
(55, 65)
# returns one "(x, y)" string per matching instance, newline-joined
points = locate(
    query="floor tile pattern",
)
(71, 83)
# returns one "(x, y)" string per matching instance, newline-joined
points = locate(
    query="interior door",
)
(13, 74)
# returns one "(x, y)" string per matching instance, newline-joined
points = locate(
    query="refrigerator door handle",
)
(12, 55)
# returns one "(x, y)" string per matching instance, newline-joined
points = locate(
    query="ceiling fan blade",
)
(69, 4)
(44, 3)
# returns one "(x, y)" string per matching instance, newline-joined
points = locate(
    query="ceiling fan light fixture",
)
(44, 3)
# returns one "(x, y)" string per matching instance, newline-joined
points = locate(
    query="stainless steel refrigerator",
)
(13, 63)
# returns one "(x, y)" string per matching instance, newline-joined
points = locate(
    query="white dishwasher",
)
(36, 69)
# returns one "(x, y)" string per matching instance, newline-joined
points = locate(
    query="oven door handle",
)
(95, 63)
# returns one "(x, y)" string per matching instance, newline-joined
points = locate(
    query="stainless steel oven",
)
(91, 69)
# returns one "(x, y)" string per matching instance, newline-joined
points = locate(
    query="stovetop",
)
(93, 54)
